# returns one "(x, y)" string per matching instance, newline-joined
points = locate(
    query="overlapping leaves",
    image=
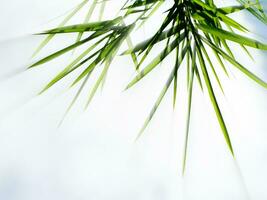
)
(191, 29)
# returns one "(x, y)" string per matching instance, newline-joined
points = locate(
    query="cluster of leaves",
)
(191, 28)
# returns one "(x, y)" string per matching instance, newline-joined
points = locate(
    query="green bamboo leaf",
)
(227, 48)
(60, 52)
(212, 67)
(242, 46)
(130, 45)
(67, 69)
(188, 69)
(213, 100)
(233, 9)
(220, 62)
(75, 98)
(102, 9)
(156, 7)
(164, 35)
(256, 11)
(105, 52)
(86, 71)
(93, 26)
(198, 78)
(163, 92)
(50, 37)
(98, 82)
(175, 77)
(156, 61)
(232, 37)
(108, 60)
(139, 3)
(237, 64)
(173, 11)
(87, 18)
(133, 55)
(216, 12)
(189, 103)
(184, 19)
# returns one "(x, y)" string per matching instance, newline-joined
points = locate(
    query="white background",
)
(93, 154)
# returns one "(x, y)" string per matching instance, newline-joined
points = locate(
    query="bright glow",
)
(93, 155)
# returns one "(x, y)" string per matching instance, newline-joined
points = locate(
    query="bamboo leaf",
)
(189, 103)
(216, 12)
(237, 65)
(67, 69)
(94, 26)
(155, 61)
(214, 100)
(163, 92)
(87, 18)
(50, 37)
(232, 37)
(164, 35)
(60, 52)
